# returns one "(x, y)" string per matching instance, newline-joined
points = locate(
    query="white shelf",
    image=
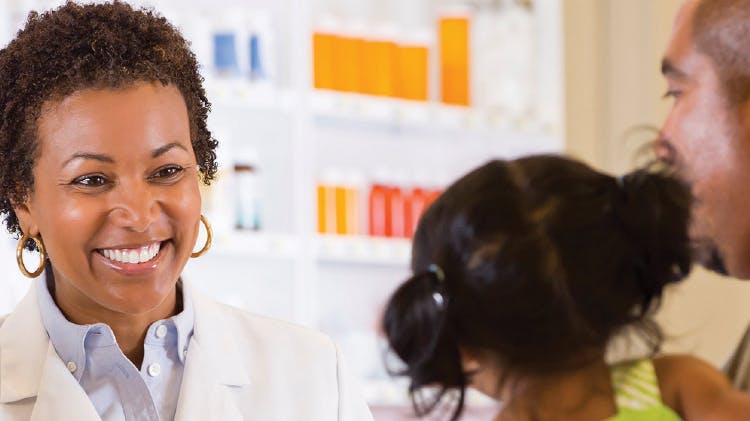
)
(256, 245)
(366, 112)
(242, 94)
(331, 107)
(363, 250)
(359, 250)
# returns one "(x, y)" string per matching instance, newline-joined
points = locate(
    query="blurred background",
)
(339, 121)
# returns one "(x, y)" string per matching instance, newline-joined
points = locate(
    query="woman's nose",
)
(134, 206)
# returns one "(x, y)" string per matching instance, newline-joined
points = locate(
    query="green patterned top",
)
(637, 393)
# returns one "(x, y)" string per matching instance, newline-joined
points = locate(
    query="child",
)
(525, 270)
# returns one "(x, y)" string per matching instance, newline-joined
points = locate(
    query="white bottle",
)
(503, 59)
(260, 46)
(228, 54)
(247, 204)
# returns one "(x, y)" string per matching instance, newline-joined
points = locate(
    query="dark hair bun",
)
(654, 209)
(414, 323)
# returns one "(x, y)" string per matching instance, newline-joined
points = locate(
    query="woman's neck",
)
(583, 394)
(129, 329)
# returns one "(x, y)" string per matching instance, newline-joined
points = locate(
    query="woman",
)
(523, 273)
(103, 142)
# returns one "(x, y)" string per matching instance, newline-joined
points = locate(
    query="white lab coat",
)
(238, 367)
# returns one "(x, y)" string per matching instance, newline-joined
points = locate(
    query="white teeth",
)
(139, 255)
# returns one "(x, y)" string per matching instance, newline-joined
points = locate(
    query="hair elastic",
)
(437, 296)
(438, 272)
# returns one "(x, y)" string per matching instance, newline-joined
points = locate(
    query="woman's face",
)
(115, 197)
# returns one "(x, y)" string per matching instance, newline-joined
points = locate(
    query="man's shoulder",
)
(737, 368)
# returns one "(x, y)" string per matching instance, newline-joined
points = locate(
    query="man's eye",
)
(672, 93)
(90, 181)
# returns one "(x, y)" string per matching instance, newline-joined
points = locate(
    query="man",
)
(707, 68)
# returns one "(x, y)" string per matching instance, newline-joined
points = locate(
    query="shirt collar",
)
(69, 339)
(184, 321)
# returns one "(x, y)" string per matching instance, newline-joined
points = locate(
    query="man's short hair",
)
(721, 30)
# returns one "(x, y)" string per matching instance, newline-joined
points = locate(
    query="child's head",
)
(537, 263)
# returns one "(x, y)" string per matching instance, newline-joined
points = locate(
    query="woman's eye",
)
(167, 172)
(90, 181)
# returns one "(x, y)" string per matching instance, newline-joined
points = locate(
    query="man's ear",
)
(745, 118)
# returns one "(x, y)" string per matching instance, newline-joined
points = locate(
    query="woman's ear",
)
(26, 219)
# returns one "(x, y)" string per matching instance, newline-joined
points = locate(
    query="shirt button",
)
(161, 331)
(72, 367)
(154, 370)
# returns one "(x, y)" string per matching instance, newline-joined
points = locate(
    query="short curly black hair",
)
(78, 47)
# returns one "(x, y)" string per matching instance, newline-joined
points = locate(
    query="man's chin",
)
(716, 264)
(708, 255)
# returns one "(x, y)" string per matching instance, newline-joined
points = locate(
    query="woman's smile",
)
(133, 260)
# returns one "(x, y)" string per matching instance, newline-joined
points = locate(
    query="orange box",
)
(326, 209)
(323, 60)
(454, 59)
(412, 72)
(378, 67)
(347, 63)
(346, 210)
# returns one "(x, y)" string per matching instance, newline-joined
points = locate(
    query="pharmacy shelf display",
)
(339, 123)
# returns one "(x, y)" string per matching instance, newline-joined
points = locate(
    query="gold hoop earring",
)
(19, 256)
(209, 238)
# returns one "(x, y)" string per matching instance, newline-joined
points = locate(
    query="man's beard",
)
(706, 253)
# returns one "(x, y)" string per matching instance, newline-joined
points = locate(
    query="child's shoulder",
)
(697, 390)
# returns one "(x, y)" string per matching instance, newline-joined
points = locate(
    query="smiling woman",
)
(103, 142)
(116, 174)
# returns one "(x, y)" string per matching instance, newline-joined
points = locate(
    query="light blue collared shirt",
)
(117, 388)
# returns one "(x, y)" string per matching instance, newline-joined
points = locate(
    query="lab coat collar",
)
(22, 361)
(30, 367)
(215, 343)
(214, 369)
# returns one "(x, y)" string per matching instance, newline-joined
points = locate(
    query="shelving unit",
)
(334, 283)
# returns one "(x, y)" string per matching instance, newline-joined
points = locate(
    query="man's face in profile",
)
(712, 151)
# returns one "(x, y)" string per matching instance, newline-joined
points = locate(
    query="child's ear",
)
(469, 360)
